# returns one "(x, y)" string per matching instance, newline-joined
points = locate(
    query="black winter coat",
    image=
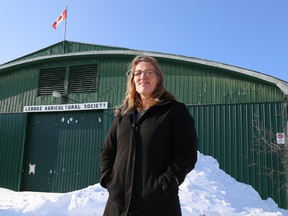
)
(142, 164)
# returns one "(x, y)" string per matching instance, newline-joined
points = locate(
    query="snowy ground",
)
(207, 191)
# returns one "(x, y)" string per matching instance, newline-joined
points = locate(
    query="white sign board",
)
(66, 107)
(280, 138)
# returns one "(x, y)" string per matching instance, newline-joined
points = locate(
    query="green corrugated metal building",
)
(46, 145)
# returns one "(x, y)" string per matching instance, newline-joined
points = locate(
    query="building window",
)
(82, 78)
(79, 79)
(51, 79)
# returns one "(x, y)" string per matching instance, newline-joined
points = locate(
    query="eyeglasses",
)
(147, 73)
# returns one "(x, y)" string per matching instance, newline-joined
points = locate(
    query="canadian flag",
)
(62, 17)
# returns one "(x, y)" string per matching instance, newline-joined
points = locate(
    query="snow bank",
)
(207, 191)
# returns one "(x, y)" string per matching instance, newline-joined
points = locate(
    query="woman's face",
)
(145, 79)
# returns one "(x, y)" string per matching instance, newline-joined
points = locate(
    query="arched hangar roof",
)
(116, 51)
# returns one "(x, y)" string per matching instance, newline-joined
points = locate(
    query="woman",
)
(150, 148)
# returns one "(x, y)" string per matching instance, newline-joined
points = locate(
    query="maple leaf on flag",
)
(62, 17)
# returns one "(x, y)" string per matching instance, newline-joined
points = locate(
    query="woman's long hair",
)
(132, 98)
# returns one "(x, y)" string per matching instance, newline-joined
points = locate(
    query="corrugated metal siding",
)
(12, 135)
(112, 83)
(108, 116)
(233, 134)
(65, 149)
(196, 84)
(192, 84)
(18, 88)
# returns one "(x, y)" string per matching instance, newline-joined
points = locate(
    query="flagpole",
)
(64, 41)
(66, 22)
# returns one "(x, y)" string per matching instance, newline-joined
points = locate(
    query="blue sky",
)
(251, 34)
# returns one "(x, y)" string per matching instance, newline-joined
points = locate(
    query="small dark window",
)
(51, 79)
(82, 78)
